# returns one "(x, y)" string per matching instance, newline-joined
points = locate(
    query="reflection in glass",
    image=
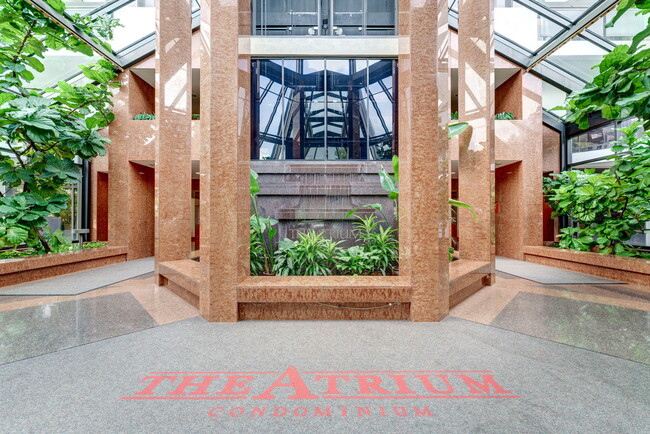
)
(323, 109)
(594, 140)
(324, 17)
(289, 17)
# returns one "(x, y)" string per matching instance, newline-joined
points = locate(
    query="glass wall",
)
(324, 17)
(324, 109)
(594, 145)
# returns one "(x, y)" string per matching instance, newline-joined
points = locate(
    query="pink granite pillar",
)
(225, 159)
(424, 164)
(532, 202)
(173, 178)
(476, 106)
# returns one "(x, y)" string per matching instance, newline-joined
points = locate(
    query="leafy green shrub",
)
(262, 234)
(311, 255)
(8, 254)
(379, 242)
(144, 117)
(356, 261)
(44, 134)
(94, 244)
(505, 116)
(608, 208)
(261, 241)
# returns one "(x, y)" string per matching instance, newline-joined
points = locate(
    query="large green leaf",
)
(16, 235)
(456, 129)
(64, 169)
(255, 186)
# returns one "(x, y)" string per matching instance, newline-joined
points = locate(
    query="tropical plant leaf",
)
(456, 129)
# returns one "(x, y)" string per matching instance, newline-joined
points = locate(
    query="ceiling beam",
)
(65, 22)
(590, 16)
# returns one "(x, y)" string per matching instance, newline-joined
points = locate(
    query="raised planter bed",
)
(20, 270)
(632, 270)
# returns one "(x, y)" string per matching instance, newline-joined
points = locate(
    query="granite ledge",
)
(30, 263)
(633, 270)
(636, 265)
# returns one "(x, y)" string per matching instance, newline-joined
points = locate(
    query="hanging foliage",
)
(622, 87)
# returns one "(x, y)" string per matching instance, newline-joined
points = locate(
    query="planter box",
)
(21, 270)
(633, 270)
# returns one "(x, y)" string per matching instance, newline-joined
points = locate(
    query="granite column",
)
(173, 177)
(424, 163)
(476, 181)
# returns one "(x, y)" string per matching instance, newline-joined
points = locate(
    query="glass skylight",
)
(534, 26)
(523, 26)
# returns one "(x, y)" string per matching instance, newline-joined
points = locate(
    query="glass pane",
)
(380, 110)
(380, 17)
(578, 57)
(625, 28)
(553, 97)
(83, 7)
(269, 116)
(348, 18)
(593, 144)
(294, 17)
(346, 83)
(522, 25)
(138, 19)
(571, 9)
(60, 65)
(311, 88)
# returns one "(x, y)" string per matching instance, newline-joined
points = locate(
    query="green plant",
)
(45, 129)
(311, 255)
(262, 234)
(356, 261)
(505, 116)
(378, 242)
(499, 116)
(257, 253)
(15, 253)
(622, 87)
(94, 244)
(144, 117)
(608, 208)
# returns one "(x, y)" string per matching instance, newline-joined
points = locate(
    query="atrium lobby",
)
(325, 216)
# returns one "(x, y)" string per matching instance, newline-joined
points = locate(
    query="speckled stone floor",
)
(552, 358)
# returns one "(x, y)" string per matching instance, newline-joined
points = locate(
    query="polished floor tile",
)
(613, 330)
(46, 328)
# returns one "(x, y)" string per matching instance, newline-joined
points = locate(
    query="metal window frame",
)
(579, 27)
(65, 22)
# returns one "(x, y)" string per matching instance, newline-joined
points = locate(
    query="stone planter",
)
(21, 270)
(632, 270)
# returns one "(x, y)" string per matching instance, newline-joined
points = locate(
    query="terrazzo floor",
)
(553, 358)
